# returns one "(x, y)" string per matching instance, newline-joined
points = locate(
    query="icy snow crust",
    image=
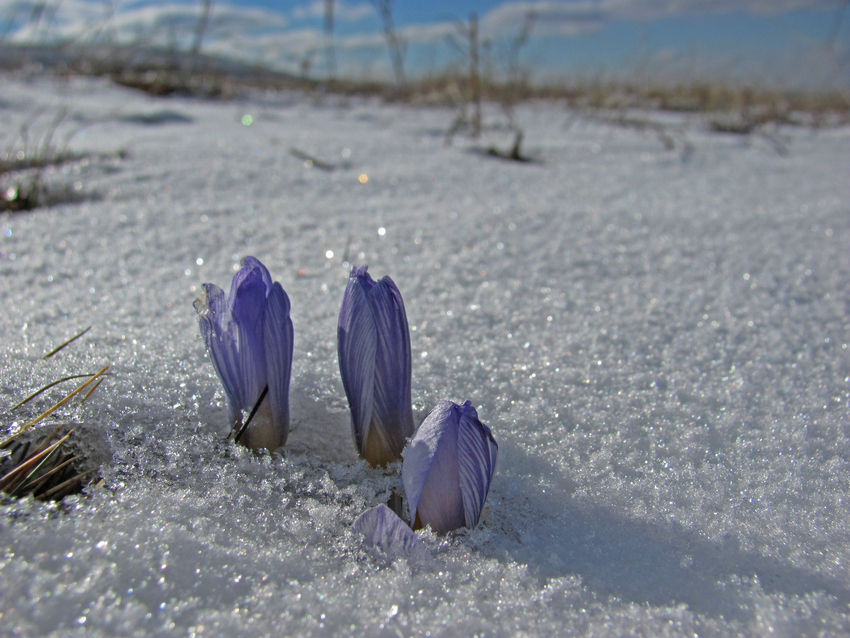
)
(656, 338)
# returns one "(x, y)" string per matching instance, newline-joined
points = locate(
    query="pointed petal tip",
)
(362, 276)
(251, 270)
(466, 409)
(388, 281)
(249, 263)
(383, 529)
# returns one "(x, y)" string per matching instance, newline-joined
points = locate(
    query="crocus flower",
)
(374, 360)
(249, 338)
(383, 529)
(448, 467)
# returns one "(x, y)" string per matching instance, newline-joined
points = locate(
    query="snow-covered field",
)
(657, 339)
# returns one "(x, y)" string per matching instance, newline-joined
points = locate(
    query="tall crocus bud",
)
(374, 360)
(448, 467)
(249, 338)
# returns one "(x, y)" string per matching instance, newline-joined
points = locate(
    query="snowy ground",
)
(657, 339)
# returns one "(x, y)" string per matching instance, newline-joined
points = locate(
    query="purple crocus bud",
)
(383, 529)
(374, 361)
(249, 338)
(448, 467)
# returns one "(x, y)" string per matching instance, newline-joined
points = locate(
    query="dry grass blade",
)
(72, 339)
(47, 473)
(11, 479)
(17, 448)
(60, 490)
(36, 465)
(48, 386)
(17, 490)
(46, 441)
(44, 415)
(89, 393)
(33, 485)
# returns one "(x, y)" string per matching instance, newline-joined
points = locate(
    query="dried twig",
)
(253, 412)
(313, 160)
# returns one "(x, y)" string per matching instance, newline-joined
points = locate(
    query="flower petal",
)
(476, 452)
(249, 337)
(219, 335)
(278, 339)
(250, 266)
(357, 344)
(392, 413)
(448, 467)
(247, 304)
(430, 472)
(383, 529)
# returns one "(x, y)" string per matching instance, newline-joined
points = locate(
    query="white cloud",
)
(569, 17)
(552, 18)
(277, 46)
(81, 19)
(413, 34)
(70, 19)
(342, 11)
(265, 37)
(29, 20)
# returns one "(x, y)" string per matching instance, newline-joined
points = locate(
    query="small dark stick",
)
(312, 159)
(253, 412)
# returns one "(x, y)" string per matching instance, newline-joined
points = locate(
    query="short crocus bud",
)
(374, 361)
(448, 467)
(249, 338)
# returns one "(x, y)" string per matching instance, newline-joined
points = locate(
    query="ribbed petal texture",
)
(383, 529)
(375, 365)
(249, 337)
(448, 467)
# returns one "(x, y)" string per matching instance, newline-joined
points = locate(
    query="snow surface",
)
(657, 339)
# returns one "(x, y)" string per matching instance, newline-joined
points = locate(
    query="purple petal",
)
(219, 335)
(247, 303)
(430, 473)
(235, 333)
(250, 266)
(392, 413)
(476, 451)
(278, 338)
(448, 467)
(357, 345)
(383, 529)
(357, 276)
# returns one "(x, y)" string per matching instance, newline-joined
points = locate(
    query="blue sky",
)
(771, 42)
